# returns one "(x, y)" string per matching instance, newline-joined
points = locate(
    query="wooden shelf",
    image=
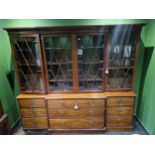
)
(114, 68)
(59, 63)
(91, 80)
(61, 80)
(50, 48)
(91, 47)
(92, 62)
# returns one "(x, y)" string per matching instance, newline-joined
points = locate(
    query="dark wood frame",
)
(73, 31)
(36, 36)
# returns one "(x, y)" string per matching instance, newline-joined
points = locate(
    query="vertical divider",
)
(74, 63)
(106, 56)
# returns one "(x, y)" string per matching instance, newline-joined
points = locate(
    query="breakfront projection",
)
(77, 78)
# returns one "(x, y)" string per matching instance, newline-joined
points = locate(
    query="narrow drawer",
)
(118, 121)
(32, 103)
(76, 103)
(33, 112)
(76, 123)
(120, 101)
(80, 113)
(120, 110)
(36, 123)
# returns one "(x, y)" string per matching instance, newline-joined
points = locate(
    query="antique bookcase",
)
(76, 78)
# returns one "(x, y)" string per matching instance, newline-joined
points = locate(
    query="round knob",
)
(90, 121)
(76, 106)
(61, 112)
(119, 109)
(33, 112)
(118, 120)
(90, 112)
(62, 123)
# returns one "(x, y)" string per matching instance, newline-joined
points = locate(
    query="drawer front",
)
(76, 123)
(33, 112)
(32, 103)
(118, 121)
(120, 101)
(35, 123)
(76, 103)
(120, 110)
(80, 113)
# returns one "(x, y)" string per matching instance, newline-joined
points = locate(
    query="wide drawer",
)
(76, 123)
(33, 112)
(32, 103)
(120, 110)
(119, 121)
(76, 103)
(37, 123)
(120, 101)
(80, 113)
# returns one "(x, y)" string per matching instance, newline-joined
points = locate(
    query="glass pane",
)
(90, 62)
(28, 64)
(59, 62)
(121, 60)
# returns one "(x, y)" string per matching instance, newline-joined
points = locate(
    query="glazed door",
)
(58, 62)
(121, 59)
(91, 65)
(29, 65)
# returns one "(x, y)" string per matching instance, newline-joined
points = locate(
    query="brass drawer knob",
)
(91, 103)
(33, 104)
(119, 121)
(90, 112)
(90, 122)
(61, 112)
(76, 106)
(62, 123)
(119, 109)
(33, 112)
(62, 104)
(35, 123)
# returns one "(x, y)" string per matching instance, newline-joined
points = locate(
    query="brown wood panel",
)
(89, 95)
(76, 131)
(32, 103)
(38, 122)
(76, 123)
(79, 113)
(119, 110)
(120, 99)
(75, 104)
(33, 112)
(119, 129)
(118, 121)
(75, 63)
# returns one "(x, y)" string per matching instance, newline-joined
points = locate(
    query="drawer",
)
(120, 110)
(33, 112)
(80, 113)
(36, 123)
(76, 123)
(120, 101)
(32, 103)
(118, 121)
(85, 103)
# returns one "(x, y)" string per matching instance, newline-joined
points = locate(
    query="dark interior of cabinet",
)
(89, 62)
(28, 64)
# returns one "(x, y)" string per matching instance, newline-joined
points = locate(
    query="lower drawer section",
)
(76, 123)
(36, 123)
(79, 113)
(33, 112)
(118, 121)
